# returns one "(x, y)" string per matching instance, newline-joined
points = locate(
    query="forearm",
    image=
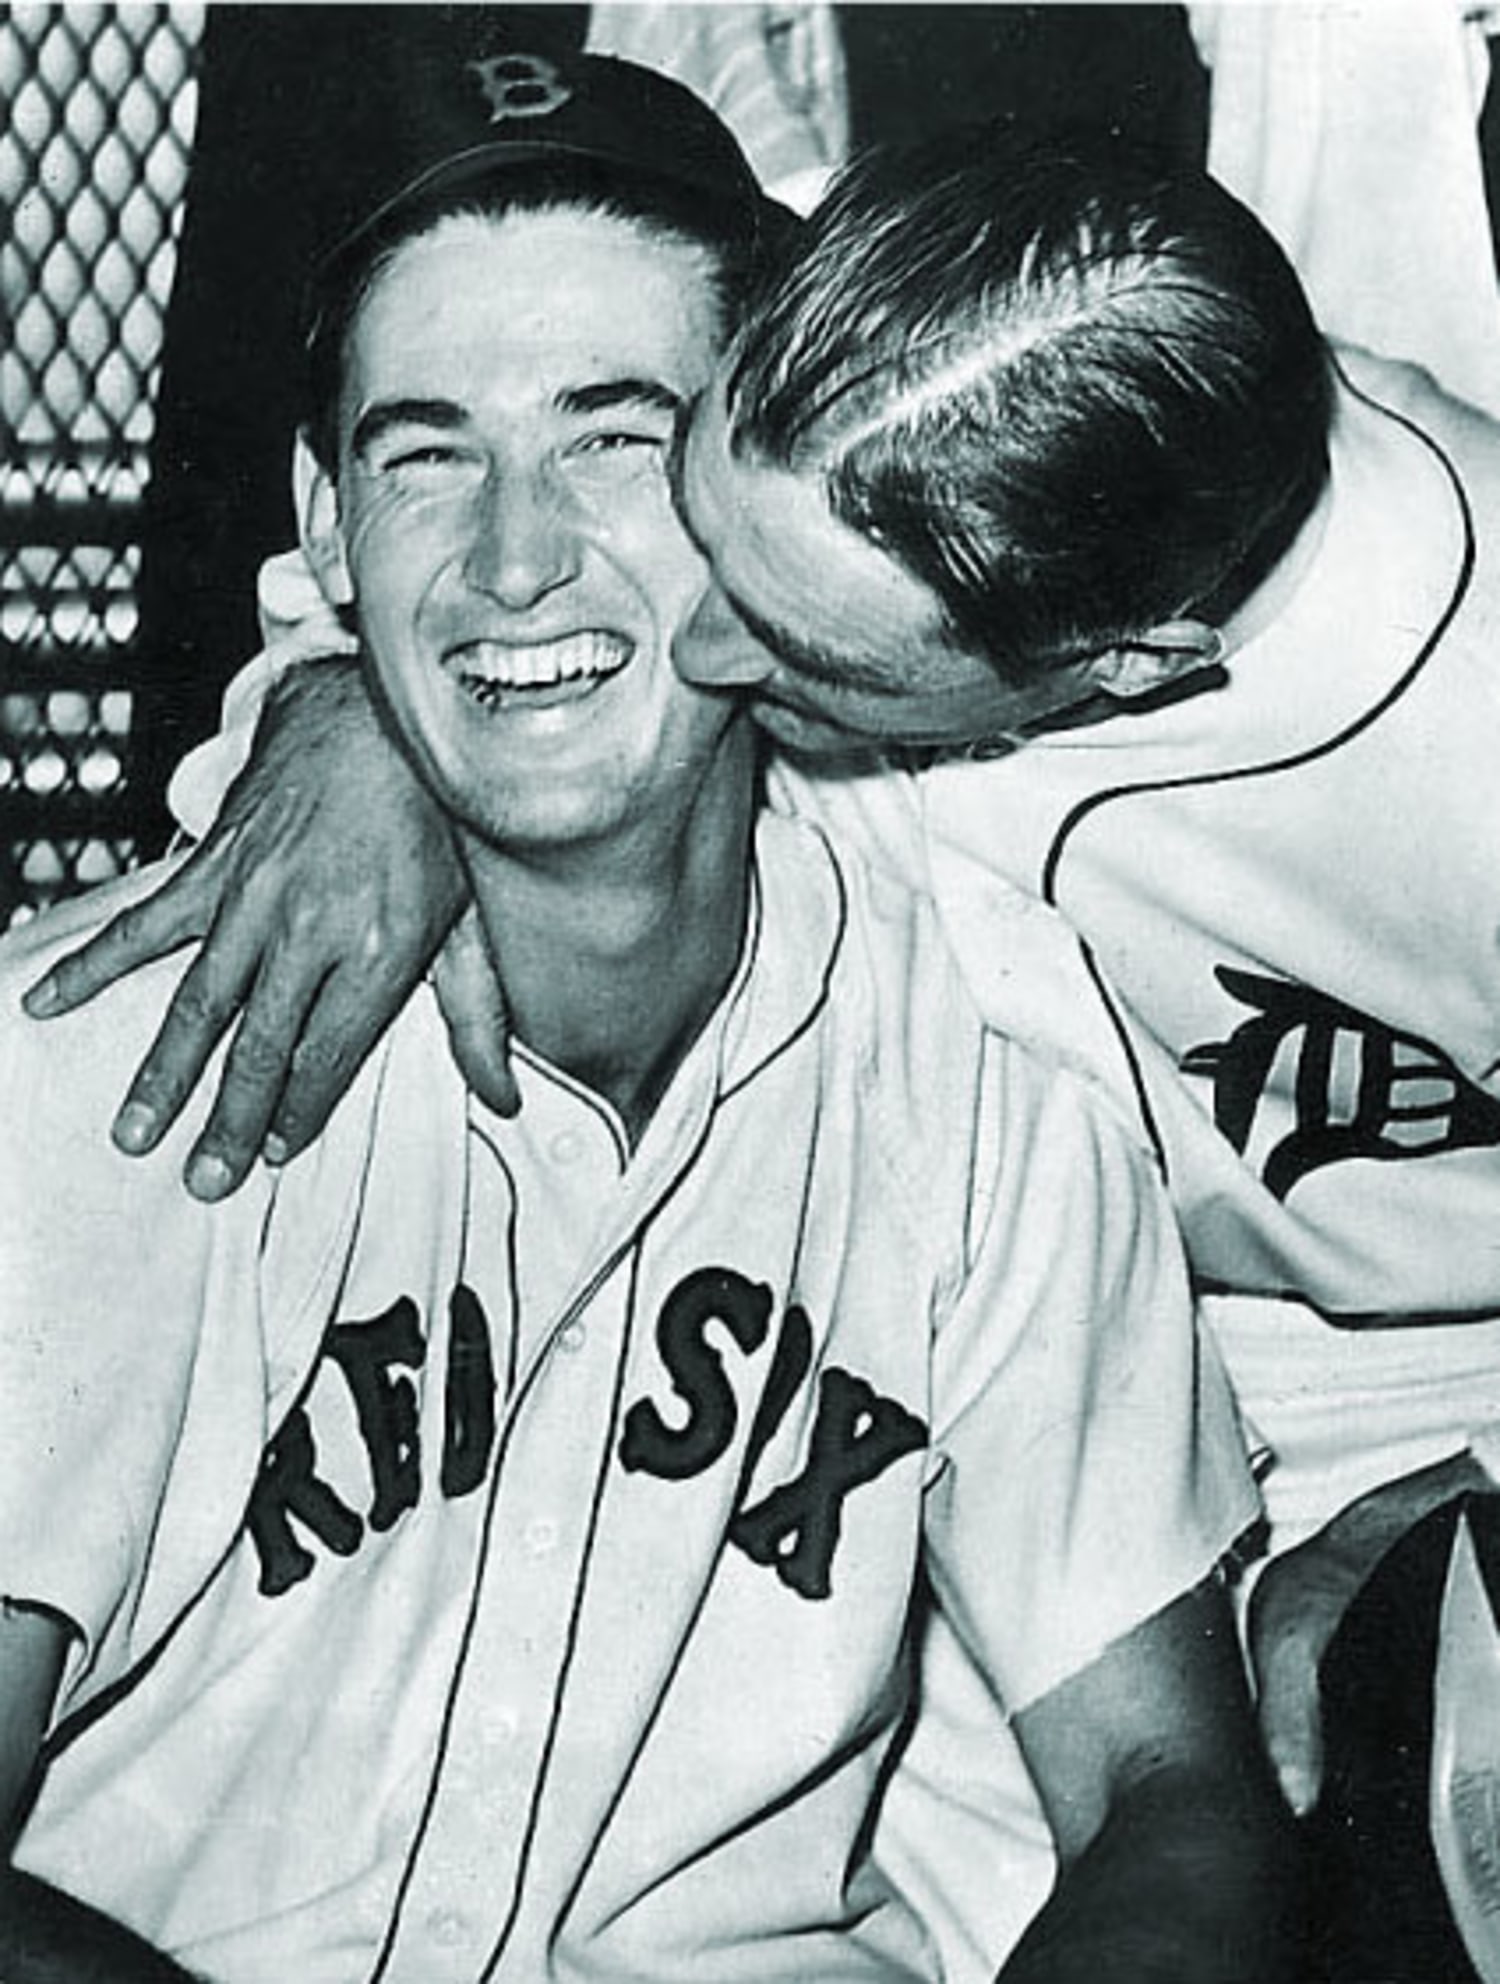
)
(1182, 1885)
(47, 1937)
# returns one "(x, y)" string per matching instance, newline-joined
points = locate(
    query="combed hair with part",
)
(1072, 389)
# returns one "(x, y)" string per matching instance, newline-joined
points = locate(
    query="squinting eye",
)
(619, 443)
(427, 469)
(432, 455)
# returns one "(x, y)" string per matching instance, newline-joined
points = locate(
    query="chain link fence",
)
(100, 106)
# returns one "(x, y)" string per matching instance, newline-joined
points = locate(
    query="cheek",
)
(646, 543)
(391, 530)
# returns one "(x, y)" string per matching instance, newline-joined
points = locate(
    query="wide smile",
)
(534, 675)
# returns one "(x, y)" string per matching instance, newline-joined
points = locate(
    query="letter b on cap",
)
(520, 86)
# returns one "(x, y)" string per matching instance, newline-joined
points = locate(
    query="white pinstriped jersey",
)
(504, 1541)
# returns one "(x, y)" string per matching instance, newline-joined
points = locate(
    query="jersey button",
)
(572, 1337)
(566, 1147)
(541, 1536)
(500, 1724)
(447, 1927)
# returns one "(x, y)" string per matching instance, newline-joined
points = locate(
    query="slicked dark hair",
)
(1073, 389)
(660, 208)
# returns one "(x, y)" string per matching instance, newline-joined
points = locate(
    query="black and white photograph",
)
(867, 635)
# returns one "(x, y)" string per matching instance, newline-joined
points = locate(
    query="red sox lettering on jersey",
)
(794, 1529)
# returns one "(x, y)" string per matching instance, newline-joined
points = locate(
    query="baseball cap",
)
(456, 119)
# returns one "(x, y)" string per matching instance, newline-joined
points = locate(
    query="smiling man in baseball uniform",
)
(1046, 451)
(507, 1549)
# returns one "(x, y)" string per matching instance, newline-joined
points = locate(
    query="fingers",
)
(1290, 1710)
(310, 989)
(254, 1077)
(1302, 1597)
(473, 1005)
(200, 1011)
(1295, 1610)
(182, 908)
(303, 1031)
(353, 1010)
(275, 981)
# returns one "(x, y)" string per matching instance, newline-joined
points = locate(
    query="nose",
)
(523, 543)
(715, 648)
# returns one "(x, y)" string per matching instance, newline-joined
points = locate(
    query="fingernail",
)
(134, 1128)
(41, 1001)
(275, 1150)
(207, 1176)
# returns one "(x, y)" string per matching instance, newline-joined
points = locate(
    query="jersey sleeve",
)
(1089, 1464)
(132, 1367)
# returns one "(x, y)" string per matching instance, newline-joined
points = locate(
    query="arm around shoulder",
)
(322, 893)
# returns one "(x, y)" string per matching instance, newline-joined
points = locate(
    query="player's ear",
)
(318, 527)
(1163, 654)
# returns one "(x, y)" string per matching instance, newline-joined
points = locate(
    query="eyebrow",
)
(379, 419)
(609, 393)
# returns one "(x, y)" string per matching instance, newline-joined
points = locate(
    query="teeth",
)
(494, 665)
